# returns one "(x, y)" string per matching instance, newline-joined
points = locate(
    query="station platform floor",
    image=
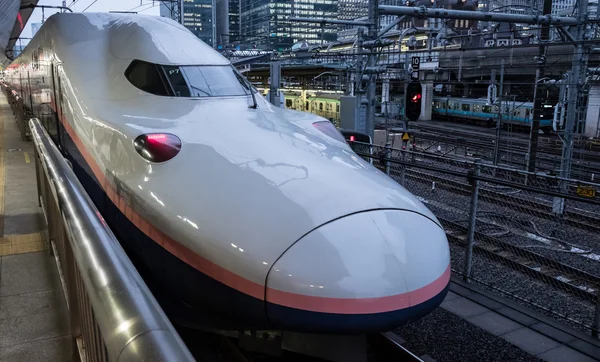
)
(34, 324)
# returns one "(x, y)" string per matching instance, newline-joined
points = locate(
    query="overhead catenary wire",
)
(89, 6)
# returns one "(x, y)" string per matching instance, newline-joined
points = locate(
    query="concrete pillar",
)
(385, 95)
(426, 100)
(592, 119)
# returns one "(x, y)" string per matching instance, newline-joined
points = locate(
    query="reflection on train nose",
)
(370, 262)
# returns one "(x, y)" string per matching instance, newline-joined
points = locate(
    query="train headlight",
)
(329, 129)
(157, 147)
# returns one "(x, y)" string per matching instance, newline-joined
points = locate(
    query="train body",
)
(479, 110)
(240, 215)
(325, 105)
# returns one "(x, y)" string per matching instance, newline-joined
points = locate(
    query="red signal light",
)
(416, 97)
(351, 138)
(157, 147)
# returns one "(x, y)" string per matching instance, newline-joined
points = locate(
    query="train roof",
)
(131, 36)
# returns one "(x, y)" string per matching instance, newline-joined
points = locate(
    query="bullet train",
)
(246, 216)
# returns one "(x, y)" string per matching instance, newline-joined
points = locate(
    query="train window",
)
(486, 109)
(456, 106)
(526, 112)
(186, 81)
(337, 108)
(476, 107)
(146, 76)
(466, 107)
(320, 106)
(288, 103)
(178, 83)
(214, 81)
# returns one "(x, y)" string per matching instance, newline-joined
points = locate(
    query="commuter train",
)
(480, 111)
(239, 215)
(326, 105)
(449, 108)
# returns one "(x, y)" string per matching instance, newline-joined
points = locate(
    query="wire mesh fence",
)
(532, 237)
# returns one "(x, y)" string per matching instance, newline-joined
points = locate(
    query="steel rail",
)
(573, 280)
(464, 163)
(575, 219)
(130, 320)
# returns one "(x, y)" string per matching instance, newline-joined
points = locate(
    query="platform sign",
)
(405, 136)
(415, 62)
(586, 191)
(492, 95)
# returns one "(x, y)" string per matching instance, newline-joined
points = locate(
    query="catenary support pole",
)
(537, 93)
(576, 79)
(499, 119)
(472, 220)
(373, 28)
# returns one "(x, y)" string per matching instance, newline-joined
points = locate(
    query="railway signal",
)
(413, 100)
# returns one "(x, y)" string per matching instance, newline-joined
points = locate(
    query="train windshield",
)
(205, 81)
(187, 81)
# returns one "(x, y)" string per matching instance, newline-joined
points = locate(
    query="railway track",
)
(543, 268)
(583, 221)
(507, 144)
(224, 347)
(513, 151)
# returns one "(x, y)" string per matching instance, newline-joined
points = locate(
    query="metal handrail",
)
(131, 323)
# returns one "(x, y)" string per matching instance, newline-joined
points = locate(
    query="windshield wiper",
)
(247, 83)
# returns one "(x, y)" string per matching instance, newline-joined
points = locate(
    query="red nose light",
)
(157, 147)
(156, 136)
(352, 138)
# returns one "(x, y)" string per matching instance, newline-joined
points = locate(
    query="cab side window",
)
(147, 77)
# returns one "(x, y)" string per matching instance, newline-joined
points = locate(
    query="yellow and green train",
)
(325, 105)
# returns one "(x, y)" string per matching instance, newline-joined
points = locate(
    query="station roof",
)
(14, 14)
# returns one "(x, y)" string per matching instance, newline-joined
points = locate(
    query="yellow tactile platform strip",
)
(19, 244)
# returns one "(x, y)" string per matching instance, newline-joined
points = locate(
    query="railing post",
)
(474, 174)
(402, 168)
(49, 204)
(69, 272)
(388, 155)
(37, 174)
(596, 326)
(21, 117)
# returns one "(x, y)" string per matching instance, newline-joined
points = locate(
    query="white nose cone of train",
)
(370, 270)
